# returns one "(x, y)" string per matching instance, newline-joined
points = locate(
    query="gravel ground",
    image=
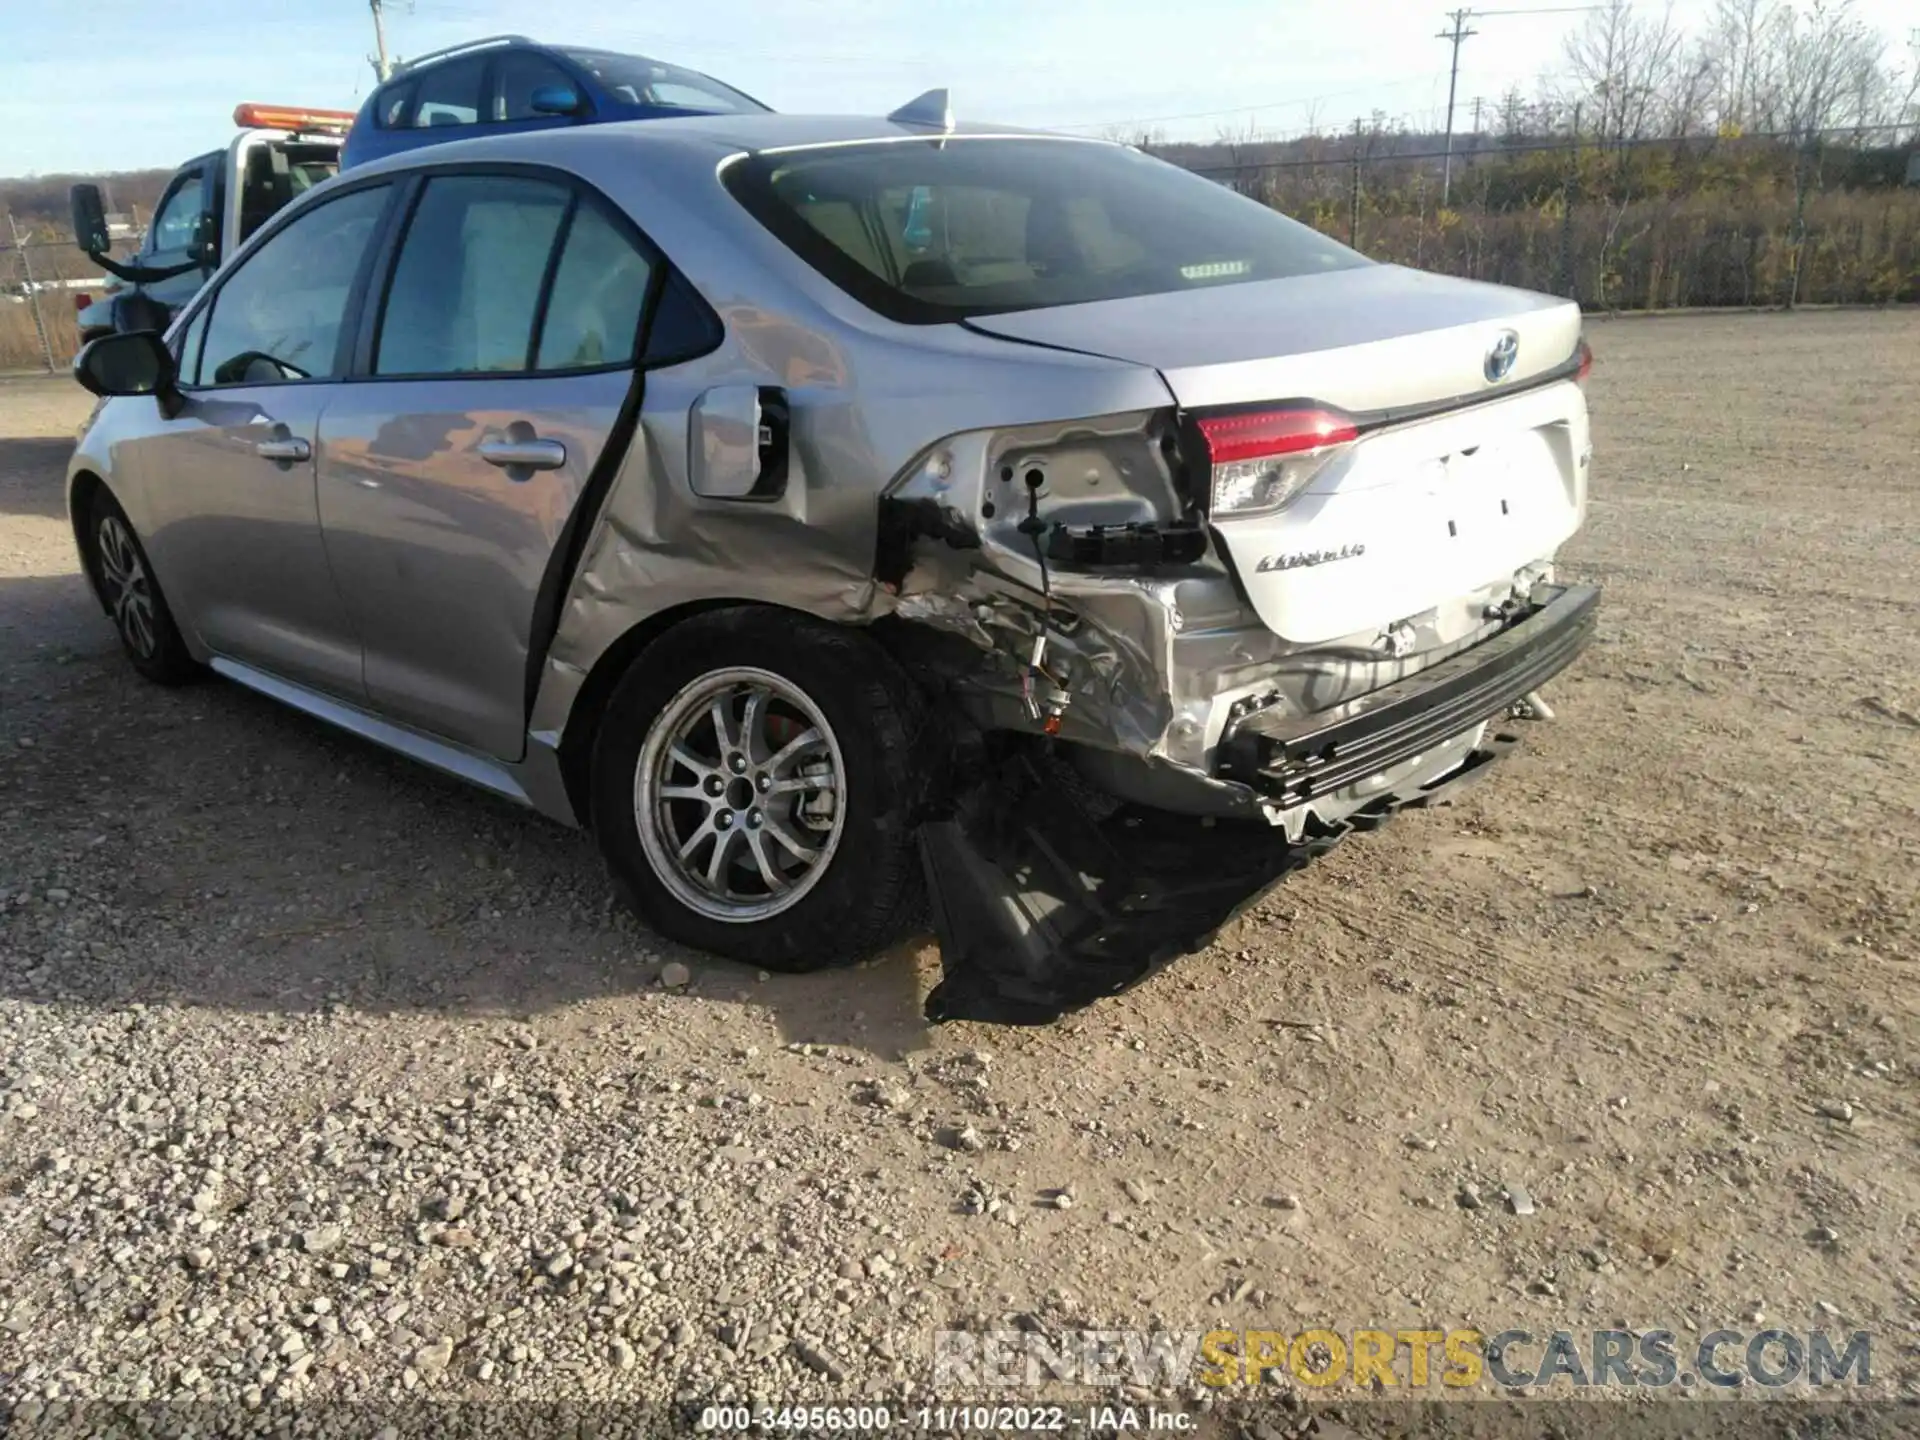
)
(323, 1078)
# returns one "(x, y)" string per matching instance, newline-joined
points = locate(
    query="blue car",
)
(508, 82)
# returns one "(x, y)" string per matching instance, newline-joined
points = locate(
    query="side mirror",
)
(89, 220)
(555, 100)
(135, 363)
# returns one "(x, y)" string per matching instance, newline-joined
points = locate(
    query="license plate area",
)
(1413, 517)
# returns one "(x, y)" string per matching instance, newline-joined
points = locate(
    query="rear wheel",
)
(754, 789)
(127, 583)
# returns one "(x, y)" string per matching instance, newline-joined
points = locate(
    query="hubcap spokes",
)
(129, 594)
(739, 795)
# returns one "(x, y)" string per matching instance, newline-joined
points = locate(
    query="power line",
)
(1300, 103)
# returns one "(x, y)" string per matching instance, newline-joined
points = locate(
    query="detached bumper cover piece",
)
(1292, 759)
(1041, 910)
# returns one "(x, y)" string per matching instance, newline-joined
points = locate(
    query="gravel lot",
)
(324, 1078)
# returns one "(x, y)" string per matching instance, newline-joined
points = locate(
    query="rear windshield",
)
(640, 81)
(925, 232)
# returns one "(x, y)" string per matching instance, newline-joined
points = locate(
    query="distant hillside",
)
(39, 202)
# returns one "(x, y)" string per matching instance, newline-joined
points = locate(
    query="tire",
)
(134, 601)
(661, 776)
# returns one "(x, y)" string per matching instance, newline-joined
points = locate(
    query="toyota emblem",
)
(1501, 358)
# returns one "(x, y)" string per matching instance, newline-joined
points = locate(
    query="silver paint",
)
(388, 581)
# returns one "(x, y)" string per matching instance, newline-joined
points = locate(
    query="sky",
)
(101, 85)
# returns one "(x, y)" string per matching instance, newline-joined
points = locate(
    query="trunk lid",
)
(1457, 481)
(1376, 337)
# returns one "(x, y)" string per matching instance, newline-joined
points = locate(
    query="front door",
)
(504, 355)
(229, 482)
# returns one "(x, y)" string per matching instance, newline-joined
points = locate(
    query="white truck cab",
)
(212, 204)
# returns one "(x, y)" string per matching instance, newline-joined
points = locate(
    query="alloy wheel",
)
(739, 795)
(123, 576)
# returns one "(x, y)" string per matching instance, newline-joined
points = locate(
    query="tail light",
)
(1261, 459)
(1583, 363)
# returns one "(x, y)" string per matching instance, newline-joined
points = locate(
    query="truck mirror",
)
(89, 220)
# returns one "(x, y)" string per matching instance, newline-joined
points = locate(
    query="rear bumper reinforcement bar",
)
(1293, 758)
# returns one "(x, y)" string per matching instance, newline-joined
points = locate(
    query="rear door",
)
(495, 370)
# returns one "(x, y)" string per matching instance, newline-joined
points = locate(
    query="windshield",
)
(639, 81)
(929, 231)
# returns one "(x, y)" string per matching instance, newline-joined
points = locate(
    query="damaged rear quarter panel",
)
(864, 399)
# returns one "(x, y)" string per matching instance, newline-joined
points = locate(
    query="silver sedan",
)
(850, 519)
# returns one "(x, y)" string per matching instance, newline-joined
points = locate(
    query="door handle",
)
(289, 449)
(524, 454)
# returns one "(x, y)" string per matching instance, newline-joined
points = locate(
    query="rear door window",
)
(449, 94)
(279, 315)
(501, 274)
(593, 315)
(466, 290)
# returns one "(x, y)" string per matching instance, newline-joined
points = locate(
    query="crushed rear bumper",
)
(1042, 906)
(1292, 759)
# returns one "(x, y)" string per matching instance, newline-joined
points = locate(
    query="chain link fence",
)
(43, 285)
(1631, 224)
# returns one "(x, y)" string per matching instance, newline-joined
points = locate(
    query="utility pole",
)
(381, 66)
(1353, 203)
(1458, 33)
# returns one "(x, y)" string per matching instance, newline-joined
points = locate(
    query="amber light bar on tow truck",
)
(254, 116)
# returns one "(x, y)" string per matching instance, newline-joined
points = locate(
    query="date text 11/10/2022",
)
(947, 1419)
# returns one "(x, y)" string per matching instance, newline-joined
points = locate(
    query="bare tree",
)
(1626, 70)
(1141, 137)
(1244, 143)
(1512, 113)
(1738, 46)
(1798, 69)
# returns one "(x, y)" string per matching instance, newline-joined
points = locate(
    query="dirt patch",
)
(308, 1053)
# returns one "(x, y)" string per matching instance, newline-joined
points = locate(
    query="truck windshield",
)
(925, 232)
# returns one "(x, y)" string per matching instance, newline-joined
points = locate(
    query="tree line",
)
(1762, 160)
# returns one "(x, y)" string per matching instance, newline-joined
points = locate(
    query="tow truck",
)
(211, 205)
